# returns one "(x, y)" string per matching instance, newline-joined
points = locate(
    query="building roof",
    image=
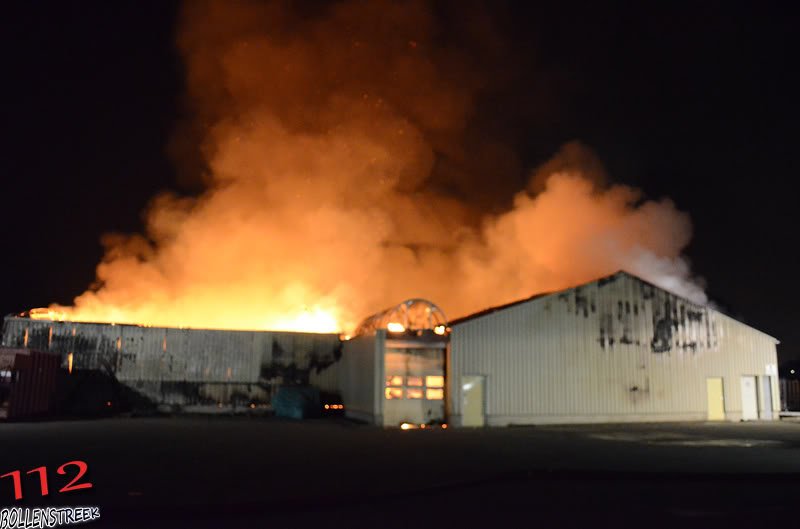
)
(601, 281)
(490, 310)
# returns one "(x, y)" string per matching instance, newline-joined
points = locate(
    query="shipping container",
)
(360, 372)
(28, 381)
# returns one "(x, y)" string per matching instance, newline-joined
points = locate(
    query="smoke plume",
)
(342, 176)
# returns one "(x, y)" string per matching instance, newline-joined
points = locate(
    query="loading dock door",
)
(716, 399)
(472, 401)
(749, 399)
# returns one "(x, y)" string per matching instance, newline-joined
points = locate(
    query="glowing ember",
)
(395, 327)
(47, 314)
(314, 319)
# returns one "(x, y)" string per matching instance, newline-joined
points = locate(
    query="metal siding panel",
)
(326, 379)
(359, 377)
(545, 360)
(379, 377)
(205, 364)
(32, 390)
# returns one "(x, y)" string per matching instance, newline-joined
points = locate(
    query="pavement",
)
(246, 471)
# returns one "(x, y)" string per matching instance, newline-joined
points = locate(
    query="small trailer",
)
(28, 381)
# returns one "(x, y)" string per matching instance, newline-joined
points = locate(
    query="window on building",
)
(394, 393)
(434, 394)
(434, 381)
(414, 393)
(414, 381)
(394, 380)
(430, 387)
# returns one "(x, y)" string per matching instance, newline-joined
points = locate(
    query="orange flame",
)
(325, 197)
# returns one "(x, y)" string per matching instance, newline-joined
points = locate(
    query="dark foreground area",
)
(264, 472)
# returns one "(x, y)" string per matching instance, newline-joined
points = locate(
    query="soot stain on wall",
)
(673, 323)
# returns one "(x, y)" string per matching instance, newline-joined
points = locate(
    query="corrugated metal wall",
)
(31, 391)
(361, 377)
(181, 366)
(617, 349)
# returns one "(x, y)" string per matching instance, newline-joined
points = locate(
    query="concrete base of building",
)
(520, 420)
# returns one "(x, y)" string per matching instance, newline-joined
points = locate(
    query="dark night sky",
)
(695, 101)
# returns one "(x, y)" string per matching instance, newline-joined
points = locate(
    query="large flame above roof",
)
(342, 173)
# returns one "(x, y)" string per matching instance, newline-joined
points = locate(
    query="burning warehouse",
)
(249, 243)
(345, 162)
(181, 369)
(612, 350)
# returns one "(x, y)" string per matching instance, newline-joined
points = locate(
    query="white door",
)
(749, 399)
(766, 397)
(472, 402)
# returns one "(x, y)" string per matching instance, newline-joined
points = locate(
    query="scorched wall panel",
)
(617, 349)
(181, 366)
